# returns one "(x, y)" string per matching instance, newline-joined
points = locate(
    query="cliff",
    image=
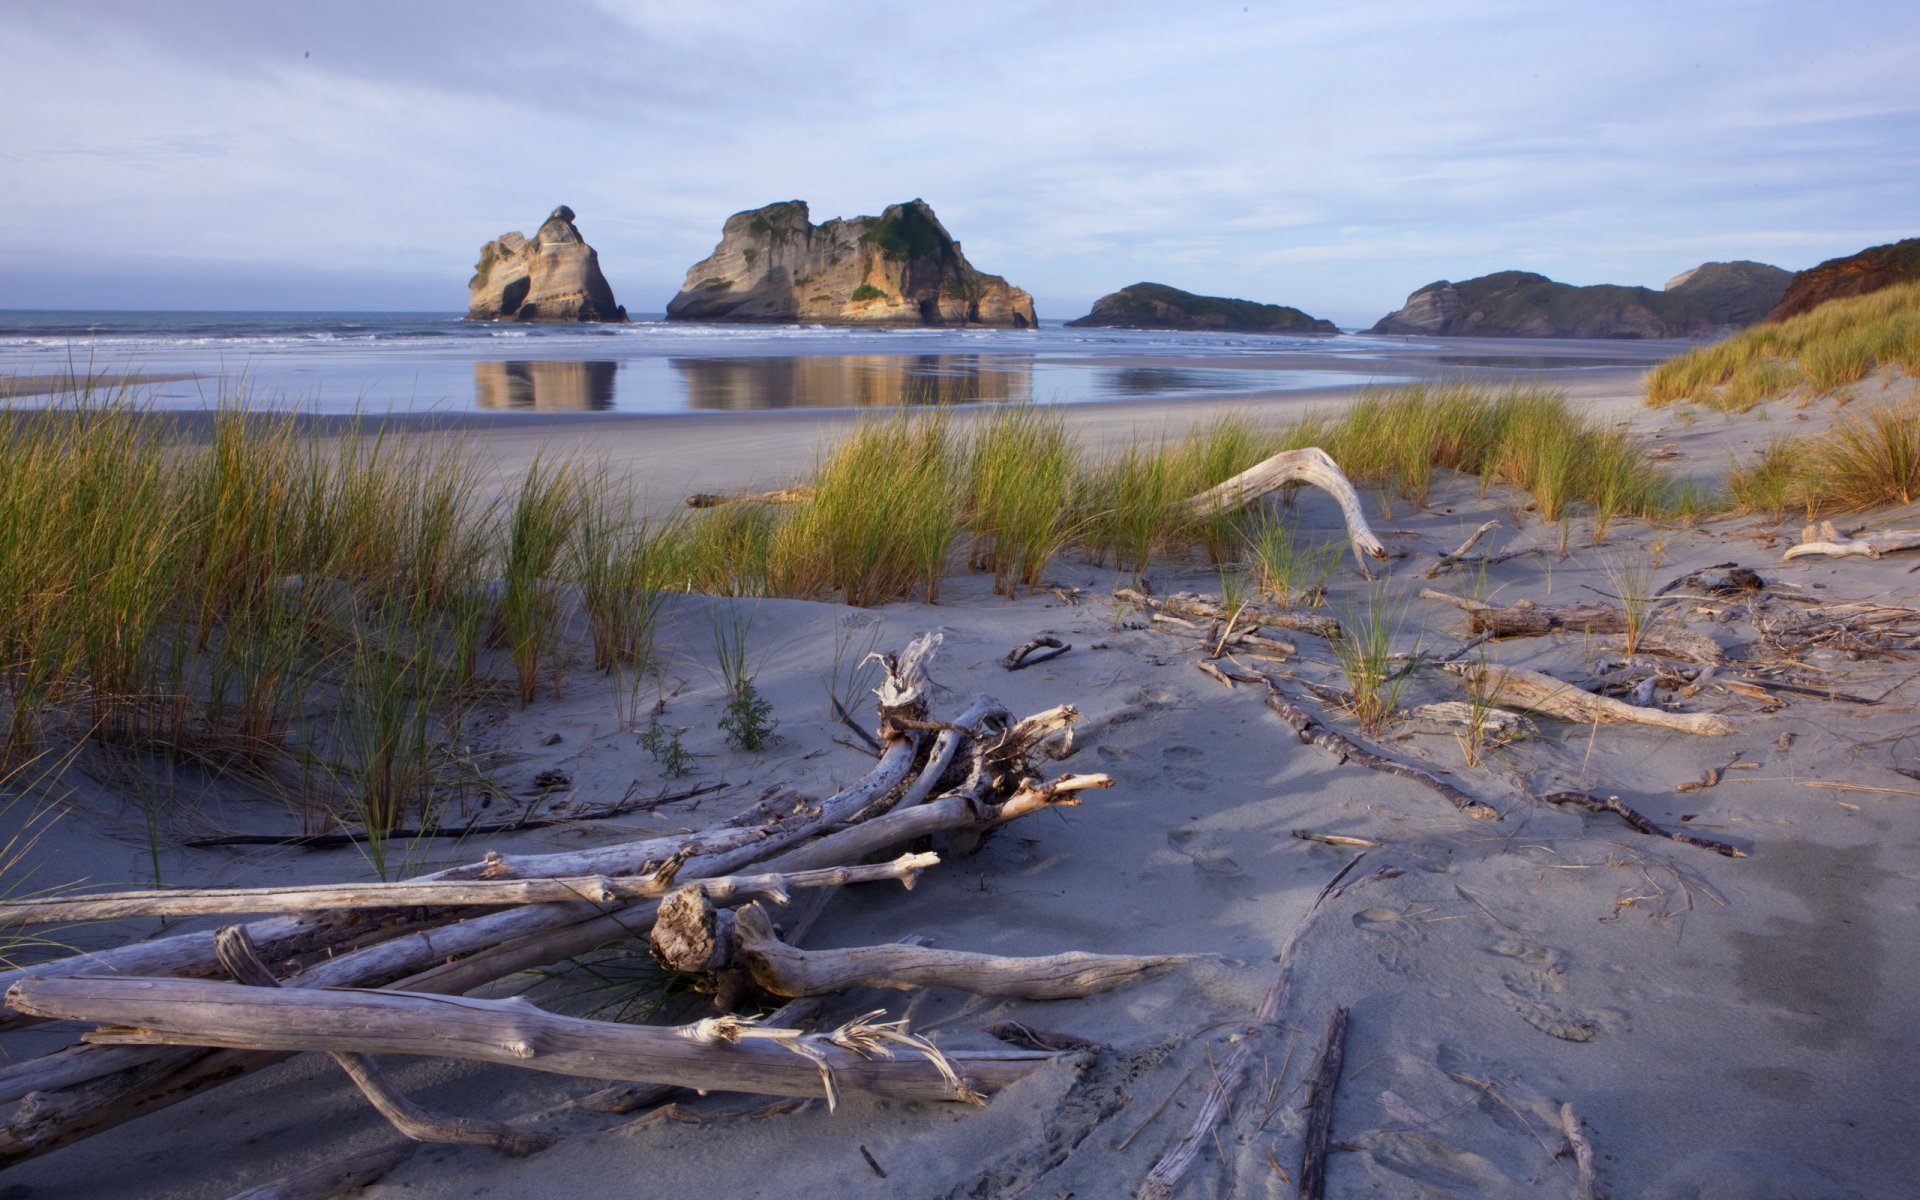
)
(1712, 298)
(899, 268)
(554, 277)
(1157, 306)
(1870, 270)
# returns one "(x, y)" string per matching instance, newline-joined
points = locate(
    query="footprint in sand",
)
(1445, 1169)
(1211, 861)
(1392, 936)
(1534, 986)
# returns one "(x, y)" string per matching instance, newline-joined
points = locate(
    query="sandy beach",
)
(1714, 1027)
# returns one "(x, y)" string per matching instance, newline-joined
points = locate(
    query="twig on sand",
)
(1172, 1167)
(1346, 749)
(1587, 1187)
(1017, 658)
(1325, 1078)
(1447, 560)
(1616, 806)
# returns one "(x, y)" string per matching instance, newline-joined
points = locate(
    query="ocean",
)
(410, 362)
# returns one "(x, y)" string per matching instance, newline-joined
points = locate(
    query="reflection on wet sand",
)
(548, 385)
(854, 381)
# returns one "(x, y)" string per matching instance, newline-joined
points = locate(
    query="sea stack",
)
(1157, 306)
(899, 268)
(554, 277)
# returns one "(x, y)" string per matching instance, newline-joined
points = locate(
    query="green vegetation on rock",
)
(1157, 306)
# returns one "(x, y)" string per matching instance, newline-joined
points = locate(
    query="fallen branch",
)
(1526, 619)
(1192, 606)
(791, 495)
(1324, 1079)
(1310, 465)
(1447, 560)
(1172, 1167)
(1619, 808)
(1824, 539)
(709, 1056)
(1586, 1186)
(1017, 659)
(1311, 731)
(1539, 692)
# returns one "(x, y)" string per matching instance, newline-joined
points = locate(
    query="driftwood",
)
(1449, 559)
(1539, 692)
(1022, 655)
(1619, 808)
(1311, 465)
(599, 889)
(1324, 1078)
(412, 1121)
(1252, 616)
(1172, 1167)
(1586, 1185)
(732, 1056)
(791, 495)
(972, 777)
(1310, 730)
(1824, 540)
(1526, 619)
(330, 1179)
(786, 971)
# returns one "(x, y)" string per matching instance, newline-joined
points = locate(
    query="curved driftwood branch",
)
(1311, 731)
(1311, 465)
(1824, 540)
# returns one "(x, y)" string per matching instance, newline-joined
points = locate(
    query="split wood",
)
(1824, 539)
(1017, 658)
(1539, 692)
(1167, 1173)
(972, 777)
(1526, 619)
(1619, 808)
(1325, 1079)
(1310, 730)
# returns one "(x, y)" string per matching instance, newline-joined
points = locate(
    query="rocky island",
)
(899, 268)
(1870, 270)
(554, 277)
(1713, 298)
(1157, 306)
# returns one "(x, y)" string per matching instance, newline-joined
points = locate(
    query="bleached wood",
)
(509, 1033)
(1824, 540)
(1209, 608)
(1516, 687)
(788, 971)
(1310, 465)
(1525, 619)
(597, 889)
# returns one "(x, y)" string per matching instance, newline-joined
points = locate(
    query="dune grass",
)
(1866, 459)
(1838, 343)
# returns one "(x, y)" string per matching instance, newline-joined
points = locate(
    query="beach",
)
(1720, 1024)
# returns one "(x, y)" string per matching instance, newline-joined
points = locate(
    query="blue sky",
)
(1330, 156)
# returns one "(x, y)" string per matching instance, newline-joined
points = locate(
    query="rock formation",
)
(899, 268)
(1713, 298)
(1157, 306)
(554, 277)
(1870, 270)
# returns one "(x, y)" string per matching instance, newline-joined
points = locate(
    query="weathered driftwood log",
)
(335, 1178)
(1586, 1181)
(1311, 465)
(1209, 608)
(1310, 730)
(791, 495)
(784, 970)
(1824, 539)
(1526, 619)
(1164, 1179)
(510, 1033)
(1521, 688)
(412, 1121)
(1639, 821)
(600, 889)
(1323, 1080)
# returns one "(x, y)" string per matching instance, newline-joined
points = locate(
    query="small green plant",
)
(866, 292)
(663, 743)
(1364, 650)
(1631, 578)
(749, 723)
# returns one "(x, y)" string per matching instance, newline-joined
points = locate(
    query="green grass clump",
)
(884, 510)
(1866, 460)
(1840, 342)
(1021, 465)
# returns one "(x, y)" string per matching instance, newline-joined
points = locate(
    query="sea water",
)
(393, 362)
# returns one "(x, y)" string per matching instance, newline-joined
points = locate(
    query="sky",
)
(334, 154)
